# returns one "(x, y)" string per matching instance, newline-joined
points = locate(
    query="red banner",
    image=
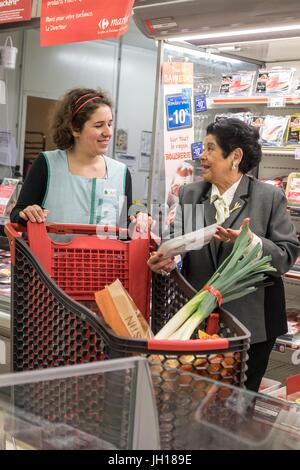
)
(64, 21)
(15, 10)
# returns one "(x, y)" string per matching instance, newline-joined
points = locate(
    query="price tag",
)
(297, 154)
(276, 102)
(179, 112)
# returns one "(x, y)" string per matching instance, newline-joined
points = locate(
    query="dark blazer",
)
(262, 312)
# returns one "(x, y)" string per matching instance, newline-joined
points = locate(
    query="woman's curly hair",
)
(72, 112)
(232, 133)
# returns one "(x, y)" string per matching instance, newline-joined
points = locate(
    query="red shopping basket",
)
(50, 328)
(87, 264)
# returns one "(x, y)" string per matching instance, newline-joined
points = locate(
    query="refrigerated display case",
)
(111, 406)
(103, 406)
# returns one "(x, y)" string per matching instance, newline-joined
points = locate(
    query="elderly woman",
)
(231, 197)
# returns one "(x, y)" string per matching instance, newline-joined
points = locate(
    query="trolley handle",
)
(193, 345)
(86, 229)
(13, 231)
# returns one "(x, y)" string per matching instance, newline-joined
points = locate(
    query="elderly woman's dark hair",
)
(72, 112)
(232, 133)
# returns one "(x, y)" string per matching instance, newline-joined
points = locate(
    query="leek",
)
(240, 274)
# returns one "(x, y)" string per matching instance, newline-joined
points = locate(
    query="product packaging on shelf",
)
(273, 130)
(293, 189)
(293, 130)
(237, 83)
(257, 121)
(274, 81)
(268, 385)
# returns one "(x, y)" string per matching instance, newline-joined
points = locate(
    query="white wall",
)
(11, 77)
(50, 71)
(9, 111)
(136, 101)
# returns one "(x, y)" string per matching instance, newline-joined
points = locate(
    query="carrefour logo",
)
(104, 23)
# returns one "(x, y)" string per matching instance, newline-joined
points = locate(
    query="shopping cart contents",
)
(50, 329)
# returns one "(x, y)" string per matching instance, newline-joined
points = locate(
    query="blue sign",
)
(197, 149)
(200, 103)
(179, 112)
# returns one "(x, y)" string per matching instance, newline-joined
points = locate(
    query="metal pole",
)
(120, 50)
(21, 112)
(155, 123)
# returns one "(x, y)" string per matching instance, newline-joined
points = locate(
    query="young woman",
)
(77, 183)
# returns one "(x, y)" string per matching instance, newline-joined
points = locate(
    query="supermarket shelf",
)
(249, 100)
(293, 276)
(279, 150)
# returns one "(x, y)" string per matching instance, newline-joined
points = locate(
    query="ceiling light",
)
(241, 32)
(200, 54)
(228, 48)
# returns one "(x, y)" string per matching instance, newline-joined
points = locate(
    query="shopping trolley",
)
(51, 326)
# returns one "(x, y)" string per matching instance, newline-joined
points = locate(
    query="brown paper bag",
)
(120, 312)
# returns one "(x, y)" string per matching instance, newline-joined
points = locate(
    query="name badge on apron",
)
(107, 192)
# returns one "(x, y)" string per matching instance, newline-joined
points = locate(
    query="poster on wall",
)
(178, 128)
(12, 11)
(121, 141)
(65, 21)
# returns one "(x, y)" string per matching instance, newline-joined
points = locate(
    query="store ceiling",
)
(204, 24)
(279, 50)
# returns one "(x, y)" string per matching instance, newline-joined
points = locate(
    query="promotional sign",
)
(200, 103)
(12, 11)
(64, 21)
(178, 79)
(179, 113)
(197, 149)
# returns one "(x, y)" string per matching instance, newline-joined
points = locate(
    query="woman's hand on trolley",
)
(34, 213)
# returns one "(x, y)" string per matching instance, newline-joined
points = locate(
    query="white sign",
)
(297, 154)
(276, 102)
(178, 80)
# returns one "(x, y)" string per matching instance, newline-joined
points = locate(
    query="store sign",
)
(200, 103)
(65, 21)
(197, 149)
(179, 112)
(178, 79)
(12, 11)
